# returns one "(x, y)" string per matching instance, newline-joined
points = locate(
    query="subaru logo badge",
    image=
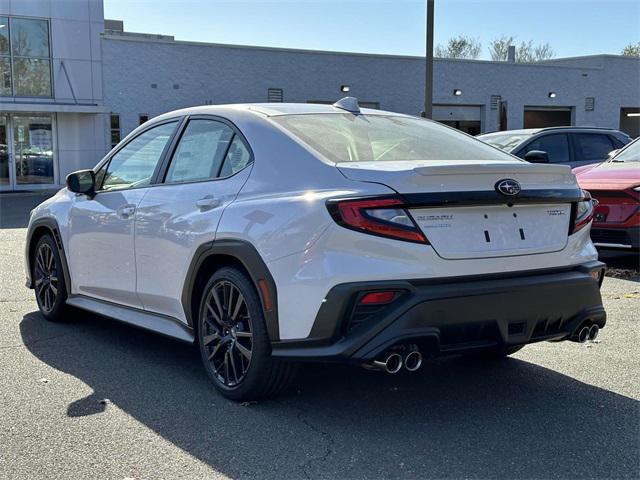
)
(508, 187)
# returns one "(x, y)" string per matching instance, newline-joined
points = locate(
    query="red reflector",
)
(377, 297)
(266, 296)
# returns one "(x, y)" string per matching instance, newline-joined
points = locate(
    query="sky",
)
(571, 27)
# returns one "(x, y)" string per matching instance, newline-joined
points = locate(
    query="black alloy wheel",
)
(234, 344)
(48, 280)
(227, 337)
(46, 277)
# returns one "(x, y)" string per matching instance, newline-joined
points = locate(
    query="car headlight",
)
(637, 189)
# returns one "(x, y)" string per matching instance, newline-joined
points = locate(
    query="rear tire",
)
(233, 340)
(48, 280)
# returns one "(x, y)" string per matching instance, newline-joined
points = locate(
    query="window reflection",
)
(33, 147)
(4, 36)
(29, 38)
(25, 57)
(5, 76)
(32, 77)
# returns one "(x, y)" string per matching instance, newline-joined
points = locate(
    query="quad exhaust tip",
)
(394, 361)
(586, 332)
(583, 335)
(413, 361)
(593, 332)
(391, 364)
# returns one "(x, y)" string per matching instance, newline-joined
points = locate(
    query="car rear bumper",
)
(623, 238)
(452, 315)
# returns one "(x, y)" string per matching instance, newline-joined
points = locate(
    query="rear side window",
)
(556, 146)
(200, 151)
(238, 157)
(592, 146)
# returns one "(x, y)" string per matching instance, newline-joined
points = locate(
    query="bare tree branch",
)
(459, 47)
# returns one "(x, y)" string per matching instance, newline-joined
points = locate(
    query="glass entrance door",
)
(33, 149)
(5, 180)
(26, 151)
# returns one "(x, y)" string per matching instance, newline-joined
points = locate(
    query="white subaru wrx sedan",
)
(271, 234)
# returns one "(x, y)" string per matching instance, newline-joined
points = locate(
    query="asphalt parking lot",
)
(97, 399)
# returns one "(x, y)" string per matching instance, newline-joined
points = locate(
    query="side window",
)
(200, 151)
(556, 146)
(237, 158)
(134, 164)
(592, 146)
(617, 143)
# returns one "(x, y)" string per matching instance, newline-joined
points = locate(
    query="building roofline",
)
(165, 39)
(595, 55)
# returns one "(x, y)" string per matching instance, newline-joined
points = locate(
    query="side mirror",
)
(82, 181)
(537, 156)
(612, 153)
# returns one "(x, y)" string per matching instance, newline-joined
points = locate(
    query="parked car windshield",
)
(629, 154)
(363, 138)
(504, 141)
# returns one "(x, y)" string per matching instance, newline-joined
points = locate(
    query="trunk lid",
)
(457, 207)
(433, 176)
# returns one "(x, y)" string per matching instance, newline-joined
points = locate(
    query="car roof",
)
(534, 131)
(270, 110)
(521, 131)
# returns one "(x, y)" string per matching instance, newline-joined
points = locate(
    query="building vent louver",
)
(589, 104)
(495, 99)
(274, 95)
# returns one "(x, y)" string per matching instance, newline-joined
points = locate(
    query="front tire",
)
(48, 280)
(233, 339)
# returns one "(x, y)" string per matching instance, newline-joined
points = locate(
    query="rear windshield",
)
(504, 141)
(364, 138)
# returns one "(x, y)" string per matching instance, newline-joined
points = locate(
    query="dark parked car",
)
(573, 146)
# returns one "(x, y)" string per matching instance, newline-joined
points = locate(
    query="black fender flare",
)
(52, 225)
(245, 253)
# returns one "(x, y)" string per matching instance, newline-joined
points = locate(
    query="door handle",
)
(207, 203)
(126, 211)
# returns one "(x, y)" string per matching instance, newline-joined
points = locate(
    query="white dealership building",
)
(73, 84)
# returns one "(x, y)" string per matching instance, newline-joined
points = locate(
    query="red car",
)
(616, 185)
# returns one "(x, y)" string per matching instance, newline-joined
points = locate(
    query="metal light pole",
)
(428, 78)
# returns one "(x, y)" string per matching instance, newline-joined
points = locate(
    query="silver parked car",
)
(573, 146)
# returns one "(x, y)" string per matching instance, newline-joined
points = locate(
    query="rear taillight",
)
(584, 211)
(385, 217)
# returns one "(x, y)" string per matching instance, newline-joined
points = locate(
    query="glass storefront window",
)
(32, 77)
(33, 149)
(4, 153)
(25, 57)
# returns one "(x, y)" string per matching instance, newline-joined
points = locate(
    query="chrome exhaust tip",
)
(583, 336)
(413, 361)
(393, 363)
(593, 332)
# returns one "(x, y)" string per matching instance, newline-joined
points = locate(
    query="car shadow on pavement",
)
(455, 418)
